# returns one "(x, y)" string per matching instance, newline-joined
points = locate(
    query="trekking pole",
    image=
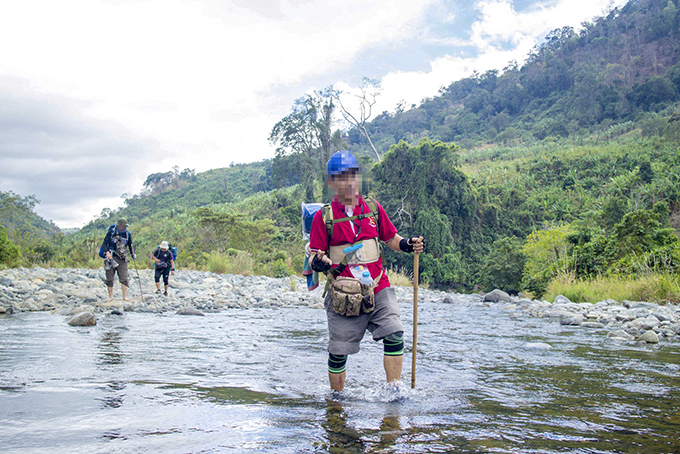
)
(134, 260)
(415, 318)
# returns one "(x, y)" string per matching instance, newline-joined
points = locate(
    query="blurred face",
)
(346, 185)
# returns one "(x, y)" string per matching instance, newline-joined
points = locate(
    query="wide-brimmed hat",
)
(164, 245)
(122, 222)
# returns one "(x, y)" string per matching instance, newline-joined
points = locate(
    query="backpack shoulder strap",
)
(373, 205)
(328, 220)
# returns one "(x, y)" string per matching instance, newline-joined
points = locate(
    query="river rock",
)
(650, 337)
(447, 300)
(3, 310)
(538, 345)
(496, 295)
(650, 322)
(621, 335)
(83, 319)
(188, 310)
(592, 325)
(572, 320)
(561, 299)
(663, 315)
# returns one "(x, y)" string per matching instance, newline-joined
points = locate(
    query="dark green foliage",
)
(503, 266)
(425, 194)
(643, 231)
(9, 252)
(655, 92)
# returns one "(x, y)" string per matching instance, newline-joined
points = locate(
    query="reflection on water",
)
(255, 381)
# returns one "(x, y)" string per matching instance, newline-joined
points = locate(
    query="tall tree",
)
(305, 139)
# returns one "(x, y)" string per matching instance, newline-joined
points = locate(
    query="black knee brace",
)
(337, 364)
(394, 344)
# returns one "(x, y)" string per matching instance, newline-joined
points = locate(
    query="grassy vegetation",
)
(655, 287)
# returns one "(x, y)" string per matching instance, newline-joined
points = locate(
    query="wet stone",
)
(592, 325)
(573, 320)
(83, 319)
(650, 337)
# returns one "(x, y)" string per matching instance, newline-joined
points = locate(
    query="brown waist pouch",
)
(350, 297)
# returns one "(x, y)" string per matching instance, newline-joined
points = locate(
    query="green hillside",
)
(612, 72)
(24, 232)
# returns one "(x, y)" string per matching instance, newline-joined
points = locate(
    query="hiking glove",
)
(319, 265)
(406, 244)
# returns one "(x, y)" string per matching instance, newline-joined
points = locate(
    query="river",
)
(254, 381)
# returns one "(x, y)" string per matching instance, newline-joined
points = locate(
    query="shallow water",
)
(255, 381)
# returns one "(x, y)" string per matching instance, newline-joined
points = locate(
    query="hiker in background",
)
(116, 245)
(345, 245)
(165, 263)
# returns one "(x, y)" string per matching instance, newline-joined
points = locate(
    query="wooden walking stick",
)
(134, 260)
(415, 318)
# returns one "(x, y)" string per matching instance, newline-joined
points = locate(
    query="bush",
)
(547, 256)
(224, 263)
(218, 262)
(9, 252)
(503, 266)
(277, 268)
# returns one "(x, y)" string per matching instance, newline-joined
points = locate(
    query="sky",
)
(95, 95)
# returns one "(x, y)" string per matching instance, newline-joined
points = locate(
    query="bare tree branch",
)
(370, 90)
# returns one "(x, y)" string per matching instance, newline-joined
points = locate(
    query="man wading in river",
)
(358, 295)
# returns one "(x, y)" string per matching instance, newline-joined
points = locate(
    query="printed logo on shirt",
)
(371, 222)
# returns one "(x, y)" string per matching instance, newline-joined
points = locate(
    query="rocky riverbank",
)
(80, 294)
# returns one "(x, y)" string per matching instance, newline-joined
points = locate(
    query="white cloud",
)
(500, 36)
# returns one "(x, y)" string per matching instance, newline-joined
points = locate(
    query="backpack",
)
(171, 248)
(109, 234)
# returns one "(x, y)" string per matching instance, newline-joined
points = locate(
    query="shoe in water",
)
(165, 293)
(158, 292)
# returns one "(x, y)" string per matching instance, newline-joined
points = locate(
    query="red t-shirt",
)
(344, 232)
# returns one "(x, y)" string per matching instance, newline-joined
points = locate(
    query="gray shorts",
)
(122, 272)
(346, 332)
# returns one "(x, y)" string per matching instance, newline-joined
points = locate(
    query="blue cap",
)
(342, 161)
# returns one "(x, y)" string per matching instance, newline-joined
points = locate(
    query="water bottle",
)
(366, 278)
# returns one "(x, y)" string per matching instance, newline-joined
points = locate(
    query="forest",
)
(560, 176)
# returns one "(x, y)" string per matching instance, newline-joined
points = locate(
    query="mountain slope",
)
(614, 69)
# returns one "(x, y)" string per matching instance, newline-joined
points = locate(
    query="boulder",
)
(592, 325)
(83, 319)
(663, 316)
(561, 299)
(496, 295)
(620, 334)
(572, 320)
(447, 300)
(650, 337)
(188, 310)
(650, 322)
